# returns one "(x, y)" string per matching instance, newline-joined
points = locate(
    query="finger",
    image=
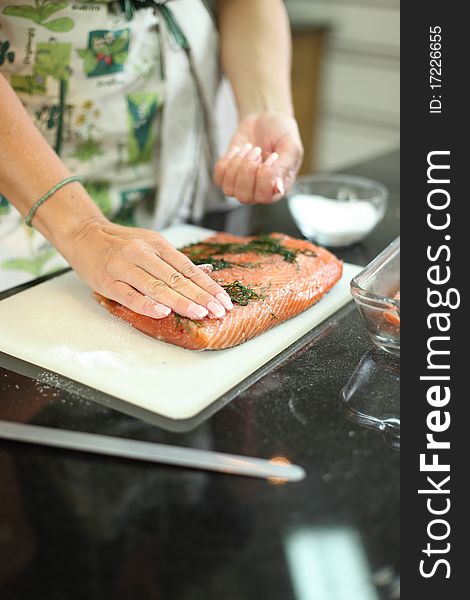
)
(279, 188)
(265, 187)
(221, 165)
(220, 168)
(158, 290)
(275, 178)
(246, 176)
(145, 255)
(177, 282)
(290, 159)
(129, 297)
(183, 265)
(228, 182)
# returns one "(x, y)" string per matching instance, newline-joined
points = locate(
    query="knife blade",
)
(193, 458)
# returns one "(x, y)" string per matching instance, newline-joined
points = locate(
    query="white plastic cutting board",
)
(59, 326)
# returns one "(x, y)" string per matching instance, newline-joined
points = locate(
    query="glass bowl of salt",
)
(337, 210)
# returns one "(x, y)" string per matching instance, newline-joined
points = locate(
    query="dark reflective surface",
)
(82, 526)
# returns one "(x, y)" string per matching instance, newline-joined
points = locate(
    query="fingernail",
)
(217, 310)
(233, 152)
(277, 197)
(197, 312)
(161, 311)
(206, 268)
(246, 148)
(271, 159)
(254, 153)
(224, 299)
(279, 186)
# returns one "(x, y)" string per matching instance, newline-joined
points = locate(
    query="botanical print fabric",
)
(91, 77)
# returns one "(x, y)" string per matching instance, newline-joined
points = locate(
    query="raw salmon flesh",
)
(270, 279)
(393, 315)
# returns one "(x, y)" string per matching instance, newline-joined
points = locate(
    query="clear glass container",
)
(376, 290)
(371, 397)
(337, 210)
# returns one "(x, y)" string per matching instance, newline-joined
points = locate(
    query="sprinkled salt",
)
(331, 222)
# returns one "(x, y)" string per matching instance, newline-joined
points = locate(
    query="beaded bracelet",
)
(51, 192)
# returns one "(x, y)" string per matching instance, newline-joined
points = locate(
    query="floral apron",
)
(91, 76)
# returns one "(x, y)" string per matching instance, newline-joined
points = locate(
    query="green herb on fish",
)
(220, 263)
(185, 323)
(217, 263)
(241, 294)
(262, 244)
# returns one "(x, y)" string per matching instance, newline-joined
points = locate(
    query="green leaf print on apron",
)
(5, 206)
(78, 69)
(91, 77)
(5, 53)
(41, 12)
(106, 53)
(141, 113)
(88, 145)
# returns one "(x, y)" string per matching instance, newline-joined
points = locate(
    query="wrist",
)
(258, 103)
(61, 218)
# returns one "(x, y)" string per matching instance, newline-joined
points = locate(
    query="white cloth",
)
(186, 187)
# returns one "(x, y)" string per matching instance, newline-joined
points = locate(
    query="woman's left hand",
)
(262, 160)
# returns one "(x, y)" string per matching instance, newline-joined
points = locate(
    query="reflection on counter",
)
(326, 563)
(372, 395)
(331, 562)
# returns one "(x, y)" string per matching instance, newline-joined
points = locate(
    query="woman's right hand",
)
(141, 270)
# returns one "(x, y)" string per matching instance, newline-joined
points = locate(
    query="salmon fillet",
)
(393, 315)
(269, 278)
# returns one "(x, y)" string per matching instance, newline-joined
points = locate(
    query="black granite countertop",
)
(76, 526)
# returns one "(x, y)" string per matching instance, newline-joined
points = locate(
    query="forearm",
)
(29, 168)
(256, 54)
